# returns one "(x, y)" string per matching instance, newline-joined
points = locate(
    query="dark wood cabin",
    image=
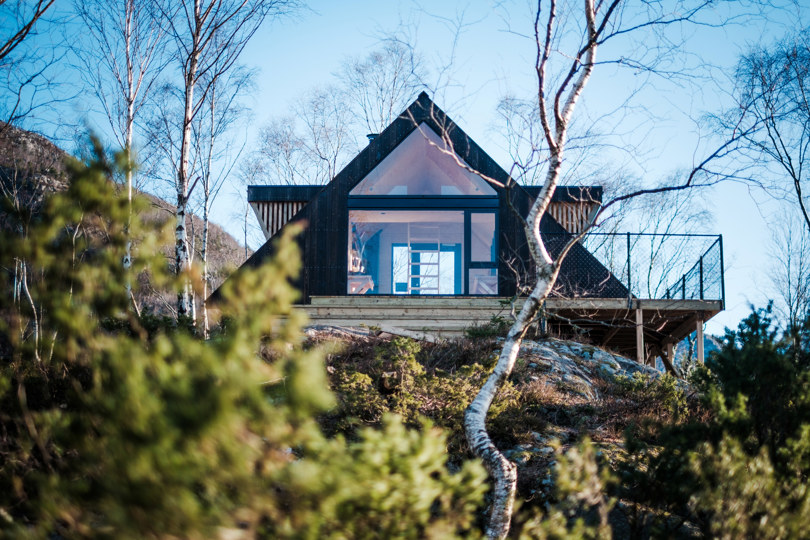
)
(407, 236)
(404, 218)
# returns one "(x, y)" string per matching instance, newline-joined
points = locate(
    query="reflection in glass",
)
(421, 166)
(482, 237)
(484, 281)
(405, 252)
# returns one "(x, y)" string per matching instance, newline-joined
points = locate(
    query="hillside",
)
(31, 167)
(559, 393)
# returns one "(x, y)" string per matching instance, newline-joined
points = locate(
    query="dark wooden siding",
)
(324, 241)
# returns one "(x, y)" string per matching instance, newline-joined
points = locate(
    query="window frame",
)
(458, 272)
(469, 204)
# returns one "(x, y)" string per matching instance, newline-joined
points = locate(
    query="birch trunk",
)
(206, 207)
(181, 250)
(245, 229)
(130, 120)
(124, 41)
(210, 35)
(32, 305)
(205, 265)
(502, 471)
(131, 94)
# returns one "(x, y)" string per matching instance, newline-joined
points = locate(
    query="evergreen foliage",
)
(765, 374)
(581, 491)
(115, 428)
(662, 395)
(415, 380)
(741, 469)
(126, 426)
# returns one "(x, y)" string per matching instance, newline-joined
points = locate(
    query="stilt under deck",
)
(641, 329)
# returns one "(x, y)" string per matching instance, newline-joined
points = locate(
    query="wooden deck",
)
(644, 328)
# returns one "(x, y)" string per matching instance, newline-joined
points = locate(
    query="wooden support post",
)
(699, 328)
(671, 352)
(543, 321)
(640, 356)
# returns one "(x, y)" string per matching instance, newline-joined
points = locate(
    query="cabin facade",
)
(408, 237)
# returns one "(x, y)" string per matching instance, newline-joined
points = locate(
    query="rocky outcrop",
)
(30, 168)
(575, 366)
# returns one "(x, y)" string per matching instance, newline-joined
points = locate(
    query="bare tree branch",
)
(26, 20)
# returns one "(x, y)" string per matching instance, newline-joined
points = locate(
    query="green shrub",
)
(766, 372)
(739, 470)
(744, 497)
(661, 395)
(581, 504)
(390, 483)
(399, 374)
(114, 426)
(497, 326)
(359, 399)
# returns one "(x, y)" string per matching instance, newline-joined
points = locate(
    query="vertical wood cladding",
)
(572, 216)
(273, 215)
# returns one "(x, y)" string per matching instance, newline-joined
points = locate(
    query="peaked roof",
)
(422, 110)
(330, 200)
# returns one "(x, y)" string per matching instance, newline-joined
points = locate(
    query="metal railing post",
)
(629, 277)
(701, 276)
(683, 287)
(722, 272)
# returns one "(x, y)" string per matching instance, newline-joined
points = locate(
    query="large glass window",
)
(406, 252)
(421, 166)
(421, 224)
(482, 237)
(422, 252)
(482, 276)
(483, 281)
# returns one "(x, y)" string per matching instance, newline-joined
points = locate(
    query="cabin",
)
(408, 238)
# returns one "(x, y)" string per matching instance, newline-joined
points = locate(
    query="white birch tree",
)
(209, 36)
(555, 130)
(327, 136)
(282, 154)
(790, 268)
(24, 66)
(217, 153)
(774, 98)
(328, 124)
(121, 61)
(568, 37)
(311, 145)
(380, 85)
(251, 171)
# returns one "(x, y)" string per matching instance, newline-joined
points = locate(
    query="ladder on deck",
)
(429, 260)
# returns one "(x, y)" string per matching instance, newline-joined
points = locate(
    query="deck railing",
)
(663, 266)
(705, 280)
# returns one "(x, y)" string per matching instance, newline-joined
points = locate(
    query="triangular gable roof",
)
(422, 165)
(422, 110)
(324, 214)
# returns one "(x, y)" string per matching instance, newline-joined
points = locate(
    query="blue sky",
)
(663, 131)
